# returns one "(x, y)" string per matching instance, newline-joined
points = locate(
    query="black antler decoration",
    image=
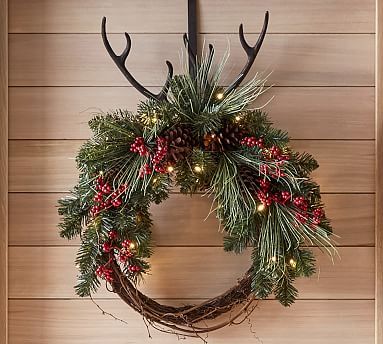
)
(251, 52)
(191, 45)
(120, 60)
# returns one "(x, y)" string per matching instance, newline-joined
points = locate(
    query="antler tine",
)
(251, 52)
(120, 60)
(210, 55)
(191, 53)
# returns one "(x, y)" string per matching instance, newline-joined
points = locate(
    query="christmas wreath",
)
(199, 137)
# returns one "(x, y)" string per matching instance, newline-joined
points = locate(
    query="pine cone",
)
(180, 141)
(250, 178)
(226, 139)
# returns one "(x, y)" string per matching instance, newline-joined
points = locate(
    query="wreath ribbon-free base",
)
(184, 319)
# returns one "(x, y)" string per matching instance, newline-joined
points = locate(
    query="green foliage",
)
(87, 259)
(70, 207)
(256, 188)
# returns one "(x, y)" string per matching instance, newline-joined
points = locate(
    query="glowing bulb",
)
(197, 168)
(154, 119)
(237, 118)
(170, 168)
(154, 180)
(292, 263)
(274, 259)
(219, 96)
(132, 245)
(261, 207)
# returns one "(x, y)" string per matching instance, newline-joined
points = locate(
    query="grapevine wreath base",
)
(199, 136)
(185, 319)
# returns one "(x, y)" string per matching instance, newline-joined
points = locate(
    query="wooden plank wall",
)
(3, 172)
(322, 57)
(378, 177)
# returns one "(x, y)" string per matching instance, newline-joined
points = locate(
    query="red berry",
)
(126, 243)
(106, 189)
(105, 273)
(95, 209)
(145, 170)
(318, 212)
(113, 235)
(122, 188)
(106, 247)
(286, 195)
(116, 202)
(124, 256)
(265, 184)
(138, 146)
(134, 268)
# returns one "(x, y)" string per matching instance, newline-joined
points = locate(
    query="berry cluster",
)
(105, 198)
(122, 254)
(105, 273)
(145, 170)
(303, 215)
(134, 268)
(302, 204)
(318, 215)
(125, 253)
(267, 197)
(251, 141)
(273, 171)
(275, 153)
(138, 146)
(157, 159)
(160, 154)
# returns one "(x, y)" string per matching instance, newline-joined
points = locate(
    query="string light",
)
(219, 96)
(197, 168)
(154, 180)
(292, 263)
(238, 118)
(261, 207)
(170, 168)
(132, 245)
(274, 259)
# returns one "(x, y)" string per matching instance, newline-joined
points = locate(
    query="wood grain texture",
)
(3, 172)
(81, 60)
(49, 166)
(42, 165)
(306, 322)
(63, 112)
(188, 272)
(379, 176)
(33, 220)
(337, 171)
(288, 16)
(170, 16)
(56, 16)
